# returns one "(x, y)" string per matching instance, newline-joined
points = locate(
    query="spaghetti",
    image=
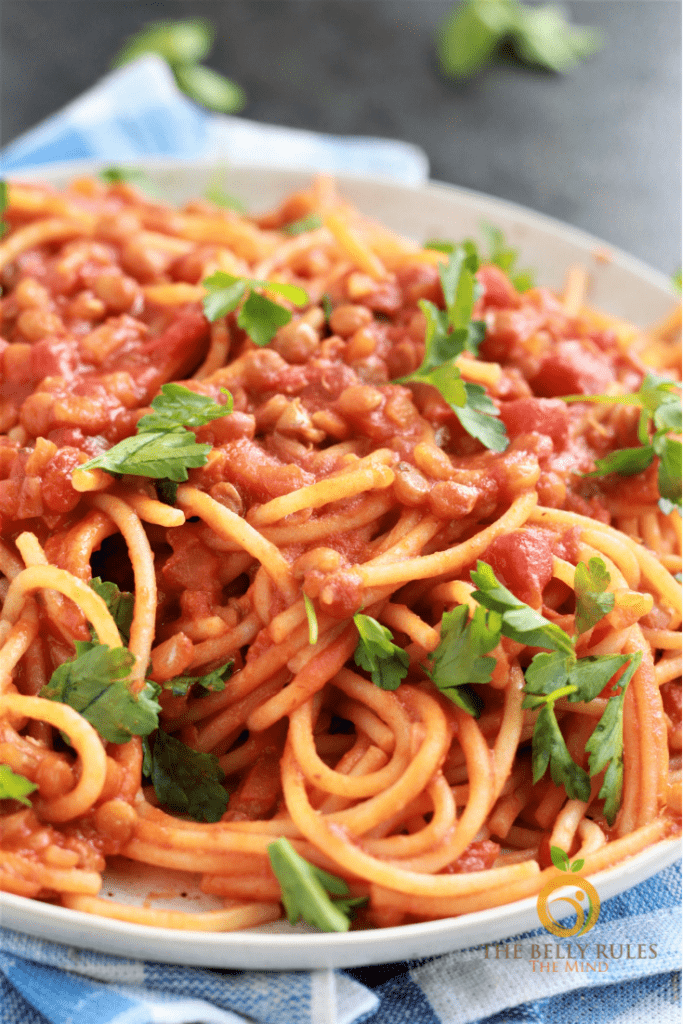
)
(343, 488)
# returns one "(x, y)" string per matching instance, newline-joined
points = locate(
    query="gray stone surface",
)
(599, 148)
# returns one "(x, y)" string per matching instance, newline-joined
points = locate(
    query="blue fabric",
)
(138, 112)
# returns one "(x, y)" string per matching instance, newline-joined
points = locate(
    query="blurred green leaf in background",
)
(183, 44)
(475, 30)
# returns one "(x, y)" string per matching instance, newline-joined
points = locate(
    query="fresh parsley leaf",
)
(543, 36)
(157, 454)
(312, 620)
(187, 781)
(182, 44)
(177, 405)
(298, 227)
(163, 448)
(178, 42)
(670, 454)
(503, 256)
(210, 88)
(440, 245)
(677, 280)
(479, 417)
(120, 604)
(15, 787)
(95, 685)
(580, 679)
(167, 490)
(591, 675)
(305, 890)
(593, 599)
(4, 228)
(475, 30)
(212, 682)
(259, 316)
(471, 33)
(216, 195)
(326, 303)
(606, 745)
(519, 621)
(548, 749)
(625, 461)
(124, 175)
(378, 654)
(448, 334)
(660, 413)
(460, 658)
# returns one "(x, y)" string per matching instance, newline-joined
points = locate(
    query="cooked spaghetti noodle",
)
(328, 490)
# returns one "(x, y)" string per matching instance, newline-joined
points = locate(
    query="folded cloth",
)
(634, 953)
(138, 112)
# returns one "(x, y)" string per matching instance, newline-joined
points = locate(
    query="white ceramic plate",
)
(624, 287)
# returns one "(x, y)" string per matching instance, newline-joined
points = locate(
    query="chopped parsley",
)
(475, 30)
(163, 447)
(312, 620)
(4, 227)
(449, 333)
(305, 890)
(15, 787)
(182, 44)
(120, 604)
(95, 684)
(593, 599)
(378, 654)
(461, 657)
(298, 227)
(212, 682)
(660, 416)
(259, 316)
(185, 780)
(554, 673)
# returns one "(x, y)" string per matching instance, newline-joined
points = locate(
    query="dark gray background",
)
(599, 147)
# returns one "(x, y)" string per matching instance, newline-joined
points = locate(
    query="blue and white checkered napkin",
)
(137, 112)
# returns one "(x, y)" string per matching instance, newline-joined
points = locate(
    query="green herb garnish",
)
(378, 654)
(305, 890)
(260, 317)
(182, 44)
(164, 448)
(449, 333)
(593, 599)
(504, 256)
(186, 780)
(475, 30)
(298, 227)
(212, 682)
(312, 620)
(4, 227)
(15, 787)
(460, 659)
(120, 604)
(95, 684)
(660, 417)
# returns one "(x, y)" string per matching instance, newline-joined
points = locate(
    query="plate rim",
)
(434, 186)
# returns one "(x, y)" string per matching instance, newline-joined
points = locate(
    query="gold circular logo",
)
(583, 890)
